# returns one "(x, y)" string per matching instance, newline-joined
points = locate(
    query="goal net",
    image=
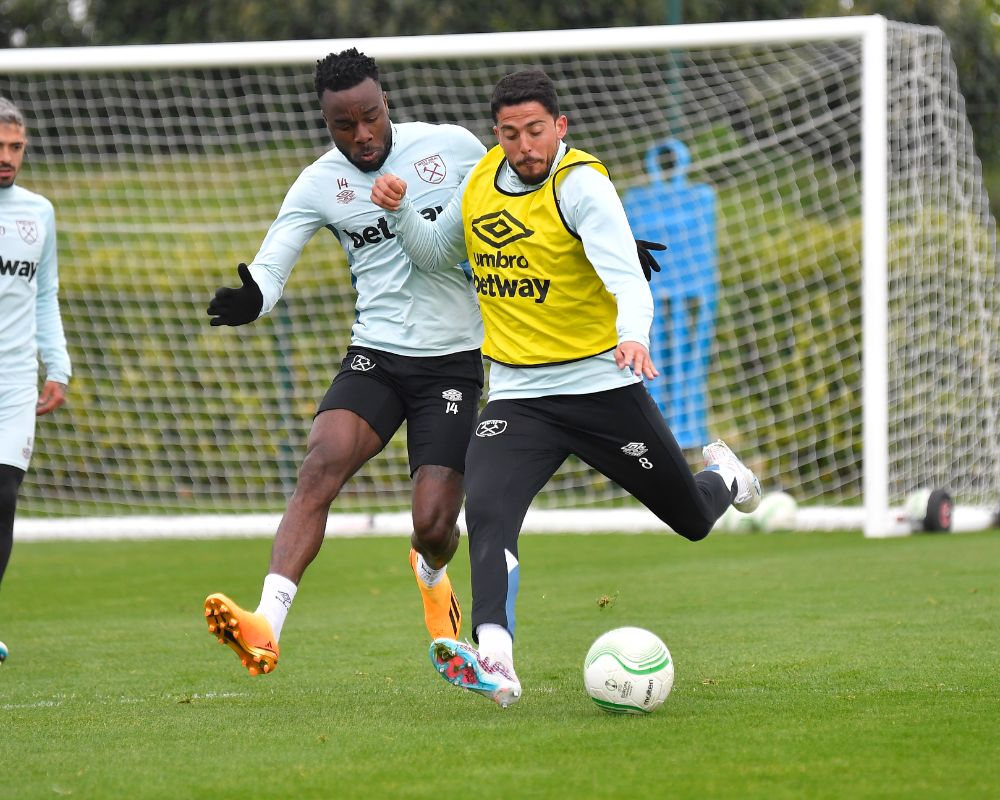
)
(828, 304)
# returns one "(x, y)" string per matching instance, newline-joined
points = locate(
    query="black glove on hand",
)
(646, 260)
(238, 306)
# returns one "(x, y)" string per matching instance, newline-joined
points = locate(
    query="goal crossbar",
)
(410, 48)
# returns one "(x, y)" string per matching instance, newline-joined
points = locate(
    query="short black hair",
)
(526, 86)
(344, 70)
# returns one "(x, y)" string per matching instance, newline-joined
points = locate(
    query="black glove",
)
(237, 306)
(646, 260)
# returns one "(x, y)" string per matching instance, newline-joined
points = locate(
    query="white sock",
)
(728, 474)
(275, 600)
(495, 641)
(429, 576)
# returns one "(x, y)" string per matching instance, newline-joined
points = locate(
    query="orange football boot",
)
(442, 613)
(249, 634)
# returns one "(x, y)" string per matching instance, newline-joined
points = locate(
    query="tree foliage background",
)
(972, 27)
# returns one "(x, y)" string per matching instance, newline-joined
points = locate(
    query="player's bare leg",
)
(340, 442)
(437, 499)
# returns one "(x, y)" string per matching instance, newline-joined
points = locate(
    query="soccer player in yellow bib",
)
(566, 312)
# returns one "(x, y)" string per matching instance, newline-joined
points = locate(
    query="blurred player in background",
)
(30, 322)
(414, 354)
(567, 315)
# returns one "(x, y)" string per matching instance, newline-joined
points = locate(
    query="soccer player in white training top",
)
(414, 354)
(30, 322)
(567, 313)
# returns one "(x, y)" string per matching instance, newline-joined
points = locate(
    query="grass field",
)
(808, 666)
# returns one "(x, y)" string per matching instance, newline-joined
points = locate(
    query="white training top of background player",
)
(30, 325)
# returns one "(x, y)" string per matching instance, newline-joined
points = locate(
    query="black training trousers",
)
(519, 445)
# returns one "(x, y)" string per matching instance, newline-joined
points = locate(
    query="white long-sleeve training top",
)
(30, 323)
(399, 308)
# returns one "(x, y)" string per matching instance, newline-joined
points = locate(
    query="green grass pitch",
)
(808, 666)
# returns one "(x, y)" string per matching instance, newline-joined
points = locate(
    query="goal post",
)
(828, 304)
(875, 276)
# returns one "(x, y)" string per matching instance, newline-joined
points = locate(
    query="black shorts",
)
(437, 396)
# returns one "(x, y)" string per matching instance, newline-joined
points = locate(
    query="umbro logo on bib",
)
(500, 228)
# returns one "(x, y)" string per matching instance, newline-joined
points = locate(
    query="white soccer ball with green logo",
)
(628, 671)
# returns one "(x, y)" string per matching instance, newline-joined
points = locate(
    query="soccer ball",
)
(776, 512)
(4, 652)
(628, 671)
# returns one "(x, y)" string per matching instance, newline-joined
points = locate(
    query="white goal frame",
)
(876, 518)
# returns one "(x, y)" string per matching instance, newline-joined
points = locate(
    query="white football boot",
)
(720, 458)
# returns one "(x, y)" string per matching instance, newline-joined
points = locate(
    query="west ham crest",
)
(431, 169)
(28, 229)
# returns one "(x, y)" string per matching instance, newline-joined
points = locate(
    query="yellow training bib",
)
(541, 300)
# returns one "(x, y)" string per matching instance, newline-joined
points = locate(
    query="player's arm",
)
(263, 281)
(50, 337)
(439, 244)
(593, 209)
(429, 245)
